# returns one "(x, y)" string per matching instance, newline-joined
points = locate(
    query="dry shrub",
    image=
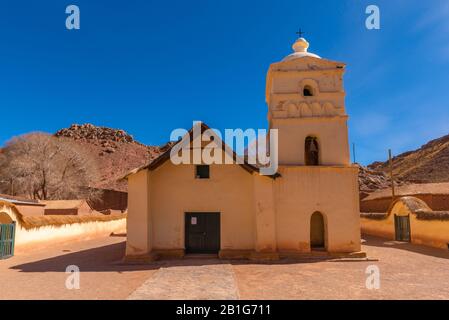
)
(43, 167)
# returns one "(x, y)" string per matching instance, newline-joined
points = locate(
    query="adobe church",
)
(311, 206)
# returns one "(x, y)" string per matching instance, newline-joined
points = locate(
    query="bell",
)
(313, 147)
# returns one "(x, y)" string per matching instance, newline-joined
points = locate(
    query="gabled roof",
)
(161, 159)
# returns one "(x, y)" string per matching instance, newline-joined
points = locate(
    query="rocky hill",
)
(430, 163)
(90, 132)
(115, 151)
(372, 180)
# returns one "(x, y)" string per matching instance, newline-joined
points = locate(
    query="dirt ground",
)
(406, 272)
(41, 274)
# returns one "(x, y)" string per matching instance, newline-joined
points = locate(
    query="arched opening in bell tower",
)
(312, 151)
(307, 91)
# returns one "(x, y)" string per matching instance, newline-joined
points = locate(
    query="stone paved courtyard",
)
(406, 272)
(203, 282)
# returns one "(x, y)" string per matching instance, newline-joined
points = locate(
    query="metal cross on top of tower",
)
(300, 33)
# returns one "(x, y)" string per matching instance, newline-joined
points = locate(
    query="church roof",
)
(162, 158)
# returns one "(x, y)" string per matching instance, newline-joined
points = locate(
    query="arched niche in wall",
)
(305, 111)
(311, 151)
(318, 231)
(292, 110)
(317, 110)
(329, 109)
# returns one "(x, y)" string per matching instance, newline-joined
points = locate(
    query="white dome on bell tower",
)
(300, 50)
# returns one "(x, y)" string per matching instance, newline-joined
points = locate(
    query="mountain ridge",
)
(117, 153)
(427, 164)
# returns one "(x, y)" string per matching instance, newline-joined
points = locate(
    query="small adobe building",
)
(409, 219)
(310, 206)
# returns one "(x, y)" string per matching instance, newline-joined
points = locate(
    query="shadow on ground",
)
(109, 259)
(385, 243)
(100, 259)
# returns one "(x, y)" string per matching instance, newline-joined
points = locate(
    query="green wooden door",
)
(7, 235)
(402, 228)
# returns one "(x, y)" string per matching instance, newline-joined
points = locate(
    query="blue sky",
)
(151, 66)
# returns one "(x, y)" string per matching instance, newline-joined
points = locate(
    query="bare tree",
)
(44, 167)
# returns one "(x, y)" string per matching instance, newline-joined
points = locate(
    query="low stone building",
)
(409, 219)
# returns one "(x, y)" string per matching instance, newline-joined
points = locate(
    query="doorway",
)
(317, 232)
(202, 232)
(7, 235)
(402, 228)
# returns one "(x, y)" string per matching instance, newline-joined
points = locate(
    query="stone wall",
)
(41, 231)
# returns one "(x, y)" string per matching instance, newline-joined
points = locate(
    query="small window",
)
(307, 91)
(202, 172)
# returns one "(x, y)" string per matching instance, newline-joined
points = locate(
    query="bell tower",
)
(306, 103)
